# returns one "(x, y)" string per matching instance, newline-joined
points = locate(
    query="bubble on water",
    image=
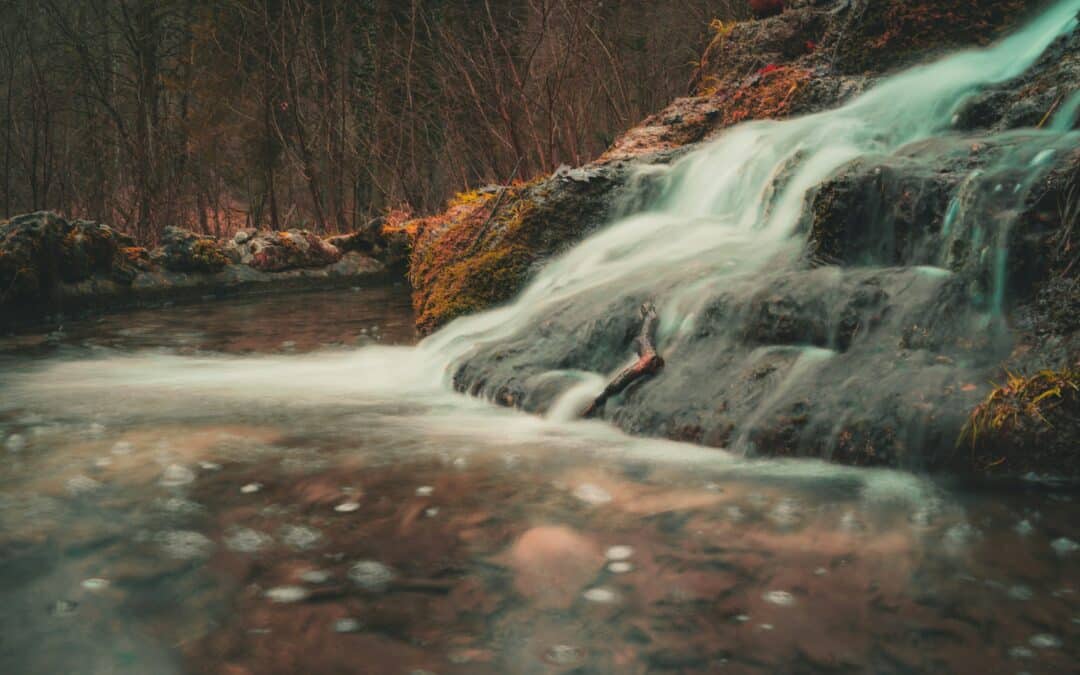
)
(122, 448)
(620, 567)
(247, 540)
(95, 584)
(176, 475)
(592, 494)
(1021, 592)
(347, 625)
(251, 488)
(850, 523)
(372, 575)
(1024, 528)
(1045, 641)
(81, 485)
(564, 655)
(601, 595)
(184, 544)
(959, 537)
(347, 507)
(619, 553)
(315, 577)
(301, 537)
(425, 491)
(779, 598)
(15, 443)
(786, 513)
(284, 594)
(1064, 546)
(1021, 653)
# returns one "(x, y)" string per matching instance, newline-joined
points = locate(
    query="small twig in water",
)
(648, 363)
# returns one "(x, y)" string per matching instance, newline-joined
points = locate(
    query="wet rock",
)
(280, 251)
(372, 576)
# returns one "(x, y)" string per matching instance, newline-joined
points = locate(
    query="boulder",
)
(279, 251)
(185, 251)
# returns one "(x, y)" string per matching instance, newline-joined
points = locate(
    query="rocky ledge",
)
(52, 266)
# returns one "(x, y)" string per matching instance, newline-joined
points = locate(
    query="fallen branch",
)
(648, 363)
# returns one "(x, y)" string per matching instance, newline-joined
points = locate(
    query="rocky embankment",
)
(902, 380)
(49, 265)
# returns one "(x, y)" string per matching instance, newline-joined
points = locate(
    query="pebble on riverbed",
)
(246, 540)
(301, 537)
(592, 494)
(184, 544)
(347, 507)
(95, 584)
(620, 567)
(1064, 546)
(347, 625)
(619, 553)
(251, 488)
(1045, 641)
(603, 596)
(15, 443)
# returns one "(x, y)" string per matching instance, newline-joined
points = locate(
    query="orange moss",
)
(769, 96)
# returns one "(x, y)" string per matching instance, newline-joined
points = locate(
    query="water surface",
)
(236, 488)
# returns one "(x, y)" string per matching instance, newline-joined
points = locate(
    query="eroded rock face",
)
(480, 251)
(813, 55)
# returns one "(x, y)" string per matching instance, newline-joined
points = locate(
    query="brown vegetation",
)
(317, 113)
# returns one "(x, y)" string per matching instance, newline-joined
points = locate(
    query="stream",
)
(235, 488)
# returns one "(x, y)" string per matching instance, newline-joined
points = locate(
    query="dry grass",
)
(1019, 401)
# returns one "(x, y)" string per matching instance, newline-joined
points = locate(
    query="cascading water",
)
(728, 225)
(279, 512)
